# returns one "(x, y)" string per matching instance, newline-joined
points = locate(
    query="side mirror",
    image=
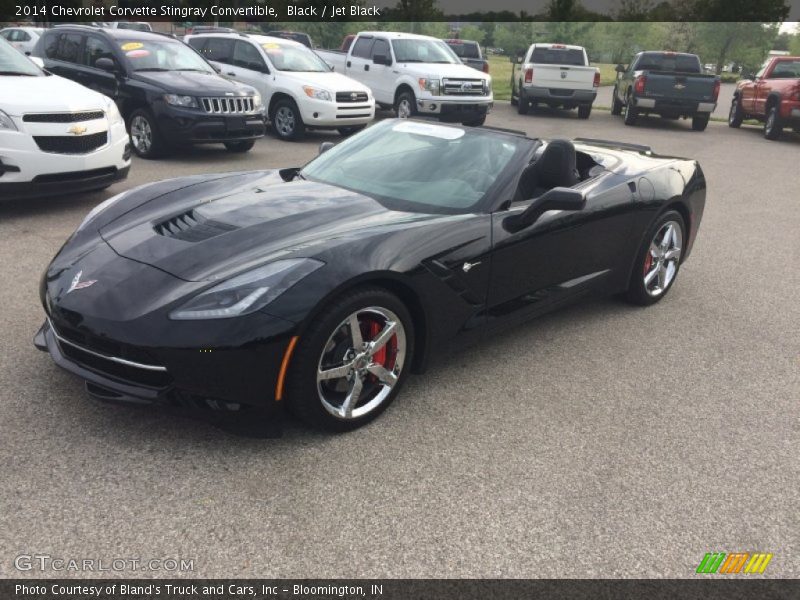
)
(106, 64)
(519, 59)
(750, 76)
(620, 68)
(558, 198)
(37, 61)
(325, 146)
(382, 59)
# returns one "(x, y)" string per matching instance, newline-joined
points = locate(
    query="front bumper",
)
(27, 172)
(188, 126)
(448, 108)
(559, 95)
(318, 113)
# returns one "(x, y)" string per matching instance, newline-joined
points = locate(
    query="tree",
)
(514, 38)
(743, 43)
(471, 32)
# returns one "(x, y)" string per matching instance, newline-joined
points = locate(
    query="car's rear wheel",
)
(629, 113)
(616, 105)
(405, 106)
(351, 363)
(584, 110)
(700, 122)
(286, 120)
(241, 146)
(522, 103)
(773, 126)
(735, 116)
(658, 260)
(145, 136)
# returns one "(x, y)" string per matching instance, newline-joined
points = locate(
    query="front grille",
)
(228, 106)
(345, 97)
(71, 144)
(358, 116)
(102, 355)
(463, 87)
(74, 117)
(191, 226)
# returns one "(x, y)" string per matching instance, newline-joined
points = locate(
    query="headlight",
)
(100, 208)
(114, 116)
(175, 100)
(429, 85)
(6, 122)
(247, 293)
(317, 93)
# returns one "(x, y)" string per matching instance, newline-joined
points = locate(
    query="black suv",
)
(168, 94)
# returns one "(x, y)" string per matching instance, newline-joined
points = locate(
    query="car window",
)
(380, 47)
(558, 56)
(362, 47)
(786, 69)
(219, 49)
(7, 34)
(669, 62)
(23, 36)
(424, 51)
(95, 49)
(294, 57)
(67, 48)
(246, 56)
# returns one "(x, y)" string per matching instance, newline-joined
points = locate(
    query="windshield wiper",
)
(151, 69)
(194, 70)
(20, 73)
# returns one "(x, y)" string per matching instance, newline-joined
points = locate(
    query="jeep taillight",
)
(529, 75)
(639, 83)
(715, 93)
(596, 79)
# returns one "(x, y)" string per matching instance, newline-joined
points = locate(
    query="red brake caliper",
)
(648, 262)
(386, 355)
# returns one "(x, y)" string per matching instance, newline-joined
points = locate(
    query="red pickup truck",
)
(772, 95)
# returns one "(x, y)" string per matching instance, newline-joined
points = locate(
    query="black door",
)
(94, 77)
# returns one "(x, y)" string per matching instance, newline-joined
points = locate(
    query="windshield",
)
(423, 51)
(420, 167)
(14, 63)
(162, 55)
(291, 57)
(669, 62)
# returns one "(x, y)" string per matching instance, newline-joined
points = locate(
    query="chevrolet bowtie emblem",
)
(77, 284)
(77, 130)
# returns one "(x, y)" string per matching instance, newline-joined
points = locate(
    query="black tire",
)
(584, 110)
(736, 115)
(700, 122)
(522, 103)
(630, 114)
(241, 146)
(346, 131)
(303, 394)
(146, 145)
(405, 105)
(475, 122)
(616, 105)
(773, 127)
(287, 123)
(636, 292)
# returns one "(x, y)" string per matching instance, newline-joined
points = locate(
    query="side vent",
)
(191, 226)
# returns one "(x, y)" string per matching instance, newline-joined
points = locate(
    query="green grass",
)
(500, 70)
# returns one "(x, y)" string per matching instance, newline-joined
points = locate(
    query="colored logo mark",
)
(738, 562)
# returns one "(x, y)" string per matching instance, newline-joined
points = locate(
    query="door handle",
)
(366, 67)
(231, 73)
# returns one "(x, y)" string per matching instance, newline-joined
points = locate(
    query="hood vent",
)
(191, 226)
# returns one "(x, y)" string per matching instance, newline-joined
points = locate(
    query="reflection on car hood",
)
(212, 230)
(19, 95)
(193, 83)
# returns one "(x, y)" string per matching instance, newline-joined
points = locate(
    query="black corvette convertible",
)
(320, 288)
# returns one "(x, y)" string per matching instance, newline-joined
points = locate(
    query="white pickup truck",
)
(415, 75)
(557, 75)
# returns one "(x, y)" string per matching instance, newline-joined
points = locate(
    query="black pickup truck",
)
(470, 54)
(670, 84)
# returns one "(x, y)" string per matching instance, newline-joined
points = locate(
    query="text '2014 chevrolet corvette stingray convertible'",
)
(320, 288)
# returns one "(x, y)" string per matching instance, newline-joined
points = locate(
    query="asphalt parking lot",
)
(600, 441)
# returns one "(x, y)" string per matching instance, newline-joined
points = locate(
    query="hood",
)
(216, 229)
(192, 83)
(330, 80)
(20, 95)
(439, 71)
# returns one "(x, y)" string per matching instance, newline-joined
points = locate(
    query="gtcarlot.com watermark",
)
(58, 564)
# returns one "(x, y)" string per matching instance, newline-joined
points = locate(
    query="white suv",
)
(56, 136)
(297, 86)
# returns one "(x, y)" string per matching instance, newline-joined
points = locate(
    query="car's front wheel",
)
(240, 146)
(286, 120)
(475, 122)
(346, 131)
(350, 364)
(735, 116)
(658, 260)
(145, 136)
(405, 106)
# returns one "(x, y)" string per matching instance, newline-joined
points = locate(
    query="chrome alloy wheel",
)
(404, 108)
(285, 121)
(662, 259)
(361, 362)
(141, 134)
